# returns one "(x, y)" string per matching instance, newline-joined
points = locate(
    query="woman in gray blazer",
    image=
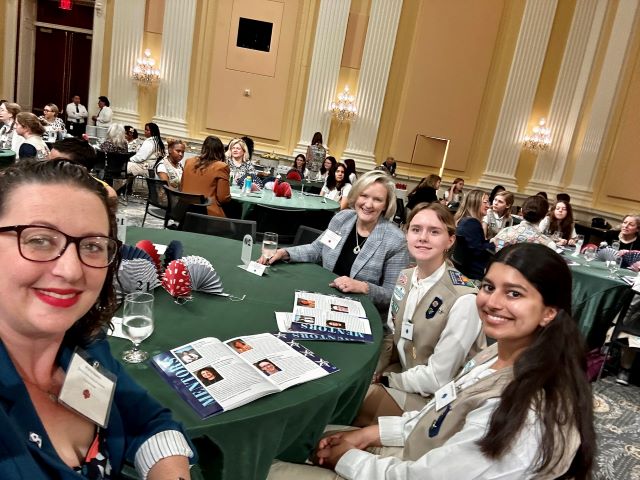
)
(361, 245)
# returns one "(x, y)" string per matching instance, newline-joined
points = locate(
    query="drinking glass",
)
(590, 254)
(614, 265)
(269, 244)
(556, 236)
(137, 324)
(579, 243)
(615, 245)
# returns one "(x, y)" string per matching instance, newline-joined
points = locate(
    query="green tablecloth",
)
(296, 202)
(240, 444)
(596, 299)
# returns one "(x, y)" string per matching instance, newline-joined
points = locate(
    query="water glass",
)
(613, 266)
(615, 245)
(557, 236)
(590, 254)
(137, 324)
(269, 244)
(579, 243)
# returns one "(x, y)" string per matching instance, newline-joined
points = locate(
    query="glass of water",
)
(579, 243)
(269, 244)
(614, 265)
(590, 254)
(137, 324)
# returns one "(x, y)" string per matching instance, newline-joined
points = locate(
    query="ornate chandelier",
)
(540, 138)
(344, 108)
(145, 71)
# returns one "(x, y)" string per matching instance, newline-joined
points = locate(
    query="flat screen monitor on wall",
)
(254, 34)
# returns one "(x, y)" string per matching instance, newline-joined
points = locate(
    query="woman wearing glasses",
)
(53, 124)
(58, 249)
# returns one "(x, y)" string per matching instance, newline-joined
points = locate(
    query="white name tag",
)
(330, 239)
(407, 331)
(88, 390)
(445, 395)
(254, 267)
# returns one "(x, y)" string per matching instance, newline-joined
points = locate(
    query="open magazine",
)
(326, 317)
(214, 376)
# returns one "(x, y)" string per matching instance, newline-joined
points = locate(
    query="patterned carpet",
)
(617, 408)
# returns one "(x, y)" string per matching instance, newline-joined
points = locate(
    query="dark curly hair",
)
(64, 172)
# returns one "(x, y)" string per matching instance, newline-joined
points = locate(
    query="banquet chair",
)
(306, 235)
(157, 198)
(179, 203)
(115, 168)
(219, 226)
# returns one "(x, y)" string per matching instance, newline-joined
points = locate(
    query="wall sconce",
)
(344, 108)
(540, 138)
(145, 71)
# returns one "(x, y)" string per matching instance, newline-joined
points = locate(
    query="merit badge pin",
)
(436, 303)
(394, 307)
(402, 279)
(458, 278)
(398, 292)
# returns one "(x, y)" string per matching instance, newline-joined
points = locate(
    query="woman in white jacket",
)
(151, 150)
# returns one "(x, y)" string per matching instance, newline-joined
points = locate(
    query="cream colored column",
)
(372, 82)
(519, 94)
(9, 47)
(175, 64)
(589, 151)
(97, 52)
(568, 97)
(331, 29)
(126, 47)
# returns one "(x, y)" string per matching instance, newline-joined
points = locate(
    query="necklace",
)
(49, 392)
(357, 248)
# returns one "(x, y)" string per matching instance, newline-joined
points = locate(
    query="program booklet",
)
(317, 316)
(214, 376)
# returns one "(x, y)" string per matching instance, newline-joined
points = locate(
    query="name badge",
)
(88, 390)
(407, 331)
(254, 267)
(445, 395)
(330, 239)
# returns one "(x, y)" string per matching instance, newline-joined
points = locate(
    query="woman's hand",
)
(349, 285)
(635, 267)
(561, 242)
(331, 449)
(281, 254)
(571, 242)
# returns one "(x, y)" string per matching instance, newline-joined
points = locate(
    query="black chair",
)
(179, 203)
(219, 226)
(282, 221)
(156, 198)
(99, 167)
(400, 217)
(116, 169)
(306, 235)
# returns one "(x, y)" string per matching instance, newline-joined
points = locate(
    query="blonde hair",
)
(470, 206)
(368, 179)
(233, 143)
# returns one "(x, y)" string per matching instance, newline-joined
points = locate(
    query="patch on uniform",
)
(436, 303)
(459, 279)
(394, 308)
(402, 279)
(398, 292)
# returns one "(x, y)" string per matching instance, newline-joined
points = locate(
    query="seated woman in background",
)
(239, 163)
(115, 142)
(328, 165)
(499, 215)
(433, 322)
(337, 186)
(29, 127)
(133, 142)
(208, 175)
(170, 168)
(351, 170)
(523, 408)
(58, 295)
(454, 195)
(51, 122)
(627, 235)
(8, 136)
(300, 166)
(370, 251)
(560, 219)
(425, 191)
(533, 211)
(150, 151)
(472, 247)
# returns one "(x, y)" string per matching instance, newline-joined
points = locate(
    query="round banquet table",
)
(596, 299)
(7, 157)
(242, 443)
(297, 201)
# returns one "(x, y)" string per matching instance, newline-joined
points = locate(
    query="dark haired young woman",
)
(523, 407)
(150, 152)
(560, 219)
(337, 186)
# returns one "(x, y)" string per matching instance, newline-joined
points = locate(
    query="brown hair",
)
(30, 121)
(443, 214)
(470, 205)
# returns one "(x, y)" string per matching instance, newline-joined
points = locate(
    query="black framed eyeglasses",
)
(39, 243)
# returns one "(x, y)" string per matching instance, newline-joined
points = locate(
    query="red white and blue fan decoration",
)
(607, 254)
(176, 280)
(136, 275)
(204, 277)
(150, 248)
(630, 258)
(173, 252)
